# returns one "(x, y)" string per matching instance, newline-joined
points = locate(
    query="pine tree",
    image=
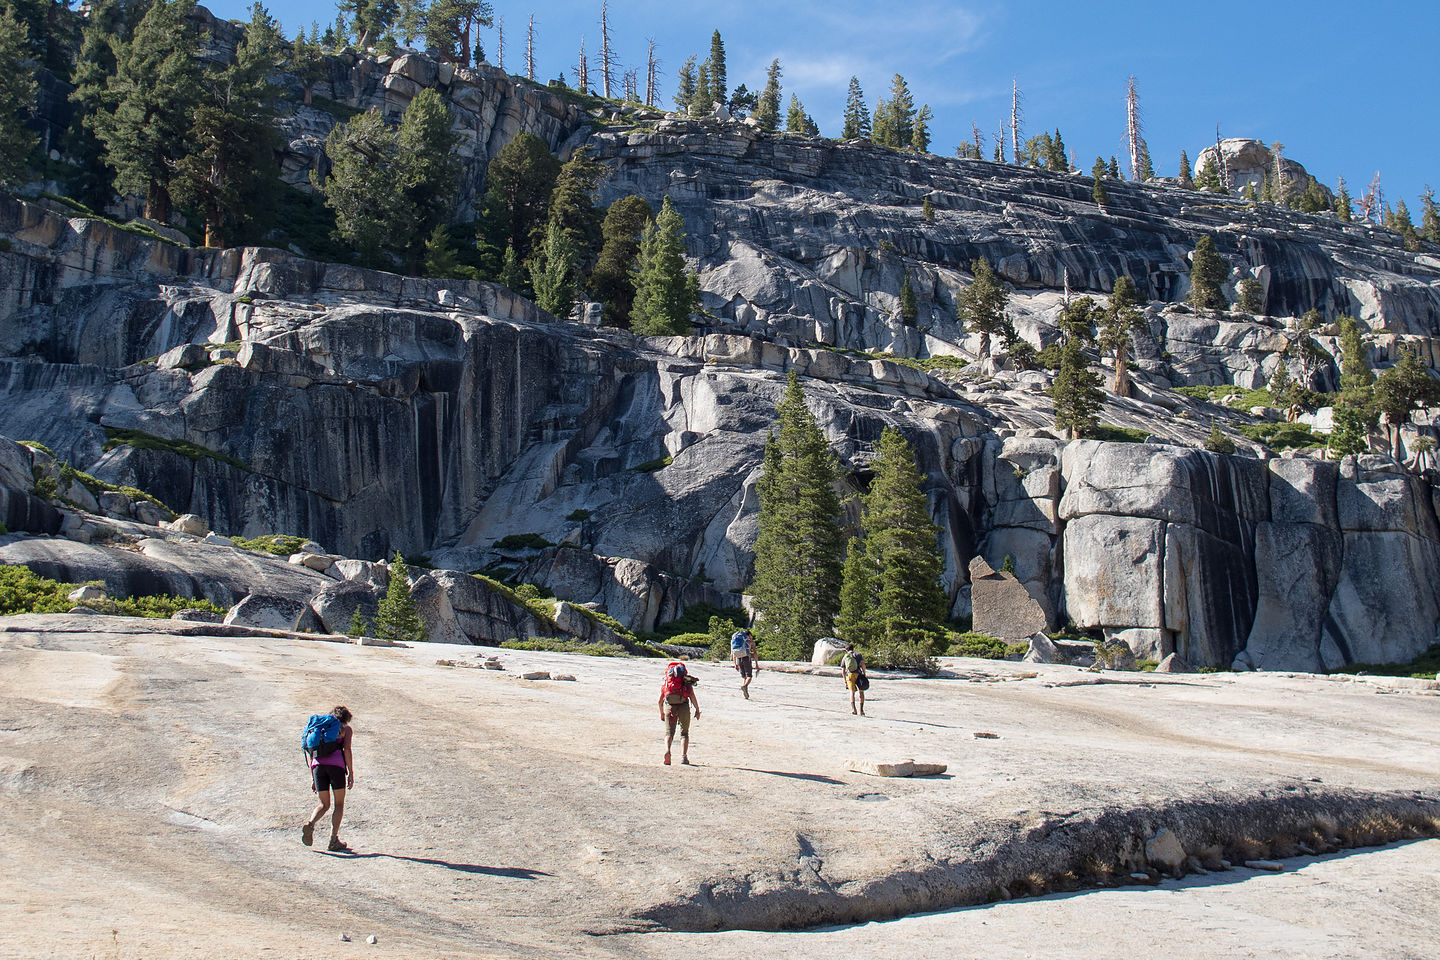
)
(1208, 178)
(797, 553)
(920, 131)
(742, 101)
(307, 62)
(107, 25)
(1114, 170)
(231, 134)
(1429, 216)
(152, 92)
(360, 188)
(1400, 389)
(552, 273)
(512, 274)
(1250, 296)
(1207, 272)
(896, 602)
(665, 295)
(372, 19)
(704, 101)
(612, 281)
(927, 210)
(857, 586)
(520, 179)
(908, 310)
(1147, 169)
(1355, 413)
(686, 87)
(1055, 158)
(572, 203)
(17, 100)
(980, 307)
(1077, 319)
(857, 114)
(1186, 180)
(359, 627)
(1344, 207)
(795, 117)
(397, 619)
(898, 126)
(767, 109)
(1217, 442)
(716, 63)
(1400, 223)
(1098, 173)
(440, 260)
(1118, 324)
(1076, 392)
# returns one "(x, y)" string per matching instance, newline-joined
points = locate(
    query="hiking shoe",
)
(307, 834)
(667, 759)
(746, 692)
(337, 846)
(686, 761)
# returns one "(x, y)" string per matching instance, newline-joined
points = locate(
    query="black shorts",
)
(328, 777)
(743, 663)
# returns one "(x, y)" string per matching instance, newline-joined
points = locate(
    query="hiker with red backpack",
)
(328, 753)
(677, 692)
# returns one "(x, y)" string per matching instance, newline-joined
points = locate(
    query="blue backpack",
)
(739, 640)
(322, 735)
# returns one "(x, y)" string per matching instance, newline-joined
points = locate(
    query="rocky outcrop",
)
(1250, 162)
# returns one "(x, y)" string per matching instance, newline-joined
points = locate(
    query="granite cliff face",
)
(372, 413)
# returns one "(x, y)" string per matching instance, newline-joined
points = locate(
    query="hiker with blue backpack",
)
(328, 752)
(677, 692)
(745, 657)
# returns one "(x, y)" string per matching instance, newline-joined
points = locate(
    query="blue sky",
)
(1350, 89)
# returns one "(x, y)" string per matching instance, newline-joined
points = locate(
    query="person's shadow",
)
(516, 873)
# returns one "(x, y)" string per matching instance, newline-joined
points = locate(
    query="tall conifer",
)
(1207, 272)
(665, 295)
(797, 553)
(857, 114)
(767, 110)
(980, 307)
(17, 100)
(894, 598)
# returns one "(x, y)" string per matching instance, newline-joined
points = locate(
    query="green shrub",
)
(650, 466)
(522, 541)
(147, 441)
(1282, 436)
(971, 644)
(96, 486)
(37, 445)
(579, 515)
(568, 645)
(1145, 665)
(903, 656)
(696, 619)
(4, 244)
(22, 591)
(693, 640)
(278, 544)
(1113, 434)
(1423, 667)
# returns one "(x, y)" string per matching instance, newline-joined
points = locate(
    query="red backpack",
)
(673, 687)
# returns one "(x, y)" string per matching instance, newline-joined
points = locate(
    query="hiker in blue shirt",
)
(745, 657)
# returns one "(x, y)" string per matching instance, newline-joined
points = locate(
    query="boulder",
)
(1384, 608)
(115, 504)
(1210, 594)
(88, 594)
(335, 604)
(1000, 604)
(15, 469)
(184, 356)
(826, 648)
(1174, 663)
(1164, 851)
(189, 524)
(376, 575)
(197, 616)
(432, 602)
(266, 612)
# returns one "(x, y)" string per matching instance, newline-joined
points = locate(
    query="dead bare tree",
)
(582, 69)
(975, 135)
(1373, 202)
(1015, 115)
(500, 42)
(632, 86)
(1220, 156)
(651, 66)
(530, 50)
(1277, 150)
(607, 55)
(1000, 142)
(1132, 126)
